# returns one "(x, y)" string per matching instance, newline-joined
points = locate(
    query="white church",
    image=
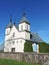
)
(15, 37)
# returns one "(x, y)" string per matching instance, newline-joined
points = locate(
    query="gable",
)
(15, 31)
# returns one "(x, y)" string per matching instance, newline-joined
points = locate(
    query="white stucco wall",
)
(7, 46)
(23, 34)
(10, 36)
(27, 35)
(7, 31)
(19, 36)
(24, 26)
(37, 48)
(18, 45)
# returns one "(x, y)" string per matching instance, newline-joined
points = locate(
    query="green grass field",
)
(13, 62)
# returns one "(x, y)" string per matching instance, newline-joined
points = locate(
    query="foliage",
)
(28, 46)
(43, 47)
(13, 62)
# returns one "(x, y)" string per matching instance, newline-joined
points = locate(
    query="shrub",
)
(28, 46)
(43, 47)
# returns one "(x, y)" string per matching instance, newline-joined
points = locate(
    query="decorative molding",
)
(20, 38)
(25, 31)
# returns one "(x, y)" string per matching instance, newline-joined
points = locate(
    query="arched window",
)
(35, 47)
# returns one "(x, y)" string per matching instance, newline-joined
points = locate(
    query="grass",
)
(13, 62)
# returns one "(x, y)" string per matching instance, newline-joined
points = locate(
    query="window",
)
(27, 27)
(21, 41)
(13, 50)
(17, 41)
(21, 27)
(9, 42)
(7, 31)
(35, 47)
(13, 34)
(13, 42)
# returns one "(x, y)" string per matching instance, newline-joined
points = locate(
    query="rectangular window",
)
(13, 34)
(17, 41)
(21, 27)
(21, 41)
(13, 42)
(27, 27)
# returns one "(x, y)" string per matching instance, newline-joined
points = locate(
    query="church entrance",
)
(13, 50)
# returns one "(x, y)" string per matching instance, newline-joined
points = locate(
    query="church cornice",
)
(15, 39)
(20, 38)
(25, 31)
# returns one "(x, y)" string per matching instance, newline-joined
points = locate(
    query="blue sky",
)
(37, 12)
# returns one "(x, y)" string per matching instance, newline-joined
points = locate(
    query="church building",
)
(15, 37)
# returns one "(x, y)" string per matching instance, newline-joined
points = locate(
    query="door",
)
(13, 50)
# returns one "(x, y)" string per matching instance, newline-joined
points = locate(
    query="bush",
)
(28, 46)
(43, 47)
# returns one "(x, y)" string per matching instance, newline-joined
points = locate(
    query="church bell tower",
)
(24, 23)
(24, 26)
